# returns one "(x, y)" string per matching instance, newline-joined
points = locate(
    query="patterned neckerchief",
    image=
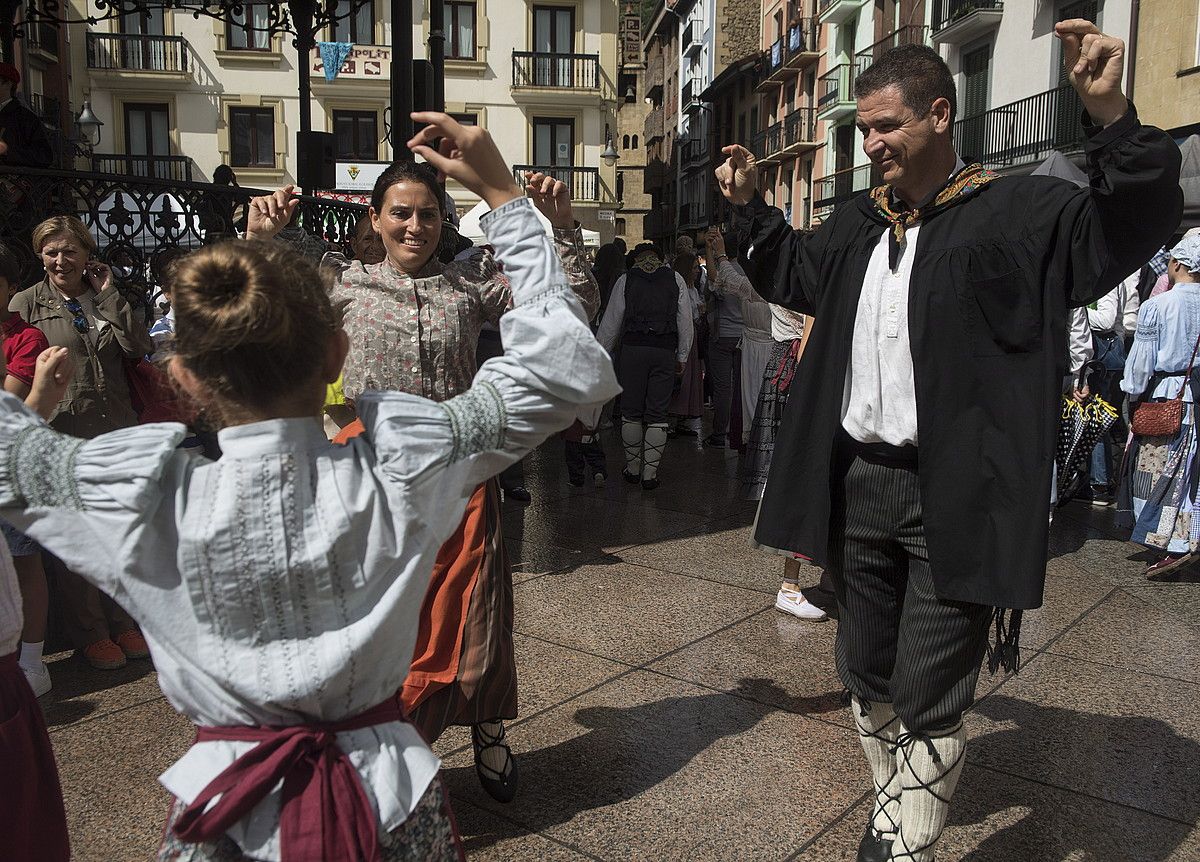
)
(900, 216)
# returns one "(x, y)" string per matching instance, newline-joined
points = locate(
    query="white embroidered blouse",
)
(279, 585)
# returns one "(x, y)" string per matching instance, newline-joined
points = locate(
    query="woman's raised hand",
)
(552, 197)
(267, 215)
(466, 154)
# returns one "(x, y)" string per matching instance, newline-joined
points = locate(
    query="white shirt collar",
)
(272, 436)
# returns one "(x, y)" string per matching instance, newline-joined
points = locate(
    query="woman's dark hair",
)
(252, 321)
(224, 176)
(922, 76)
(407, 172)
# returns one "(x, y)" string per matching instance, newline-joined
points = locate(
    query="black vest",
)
(651, 302)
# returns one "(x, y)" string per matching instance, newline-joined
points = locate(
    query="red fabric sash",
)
(326, 815)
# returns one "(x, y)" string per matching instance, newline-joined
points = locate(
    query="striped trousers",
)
(897, 641)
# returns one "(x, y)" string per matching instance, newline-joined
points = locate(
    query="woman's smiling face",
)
(410, 224)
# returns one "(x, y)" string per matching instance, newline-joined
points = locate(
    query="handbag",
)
(1163, 418)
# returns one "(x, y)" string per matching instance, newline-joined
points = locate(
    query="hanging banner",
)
(333, 55)
(370, 62)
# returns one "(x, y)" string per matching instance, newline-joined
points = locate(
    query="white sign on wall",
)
(365, 61)
(359, 176)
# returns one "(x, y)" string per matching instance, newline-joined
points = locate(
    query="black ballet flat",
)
(649, 484)
(501, 786)
(874, 847)
(631, 478)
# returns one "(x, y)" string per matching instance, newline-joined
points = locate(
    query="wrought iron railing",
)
(836, 86)
(803, 37)
(692, 215)
(556, 71)
(139, 223)
(584, 183)
(946, 12)
(42, 34)
(157, 167)
(913, 34)
(691, 36)
(842, 185)
(125, 52)
(772, 140)
(1022, 131)
(692, 150)
(799, 127)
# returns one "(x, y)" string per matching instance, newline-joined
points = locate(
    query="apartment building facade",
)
(1166, 61)
(634, 202)
(181, 95)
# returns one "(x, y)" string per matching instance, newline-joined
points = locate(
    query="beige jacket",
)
(97, 401)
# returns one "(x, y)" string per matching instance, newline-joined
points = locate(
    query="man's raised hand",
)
(466, 154)
(1094, 64)
(738, 176)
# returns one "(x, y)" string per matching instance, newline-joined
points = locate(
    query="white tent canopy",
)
(469, 226)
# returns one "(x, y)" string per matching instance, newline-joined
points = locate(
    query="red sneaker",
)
(104, 655)
(133, 644)
(1168, 564)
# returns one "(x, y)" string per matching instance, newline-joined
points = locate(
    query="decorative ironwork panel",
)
(141, 224)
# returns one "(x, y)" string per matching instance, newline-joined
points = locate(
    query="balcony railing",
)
(137, 223)
(118, 51)
(803, 36)
(692, 150)
(1023, 131)
(836, 85)
(42, 34)
(947, 12)
(692, 34)
(768, 143)
(799, 127)
(775, 55)
(654, 176)
(556, 71)
(584, 183)
(156, 167)
(691, 216)
(691, 94)
(654, 76)
(913, 34)
(842, 185)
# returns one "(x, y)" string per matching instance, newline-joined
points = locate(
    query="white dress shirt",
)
(1117, 310)
(879, 401)
(282, 584)
(612, 326)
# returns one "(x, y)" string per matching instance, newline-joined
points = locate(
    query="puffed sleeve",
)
(80, 499)
(1143, 356)
(552, 371)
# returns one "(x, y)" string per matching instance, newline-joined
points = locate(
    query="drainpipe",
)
(1133, 35)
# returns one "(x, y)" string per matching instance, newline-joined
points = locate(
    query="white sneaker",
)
(599, 479)
(38, 678)
(794, 603)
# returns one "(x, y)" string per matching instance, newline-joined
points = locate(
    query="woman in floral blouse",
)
(413, 323)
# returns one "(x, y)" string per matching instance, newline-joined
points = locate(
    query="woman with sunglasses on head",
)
(413, 322)
(77, 306)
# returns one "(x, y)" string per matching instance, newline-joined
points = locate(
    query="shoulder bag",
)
(1164, 418)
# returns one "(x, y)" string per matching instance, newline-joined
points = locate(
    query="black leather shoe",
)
(649, 484)
(874, 847)
(501, 786)
(518, 494)
(631, 478)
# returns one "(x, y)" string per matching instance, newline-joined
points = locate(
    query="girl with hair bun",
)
(280, 587)
(413, 322)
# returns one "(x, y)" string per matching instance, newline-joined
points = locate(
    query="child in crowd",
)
(23, 344)
(584, 455)
(33, 824)
(280, 587)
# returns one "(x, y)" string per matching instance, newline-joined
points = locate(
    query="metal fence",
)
(1022, 131)
(556, 71)
(584, 183)
(140, 223)
(130, 52)
(946, 12)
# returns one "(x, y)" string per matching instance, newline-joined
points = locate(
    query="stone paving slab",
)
(668, 712)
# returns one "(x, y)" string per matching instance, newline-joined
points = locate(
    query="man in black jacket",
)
(23, 138)
(931, 391)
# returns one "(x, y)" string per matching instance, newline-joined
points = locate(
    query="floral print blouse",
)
(418, 335)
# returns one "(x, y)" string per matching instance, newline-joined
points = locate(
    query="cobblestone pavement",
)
(668, 712)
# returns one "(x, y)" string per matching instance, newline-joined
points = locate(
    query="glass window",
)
(354, 22)
(248, 31)
(460, 31)
(357, 134)
(467, 119)
(252, 137)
